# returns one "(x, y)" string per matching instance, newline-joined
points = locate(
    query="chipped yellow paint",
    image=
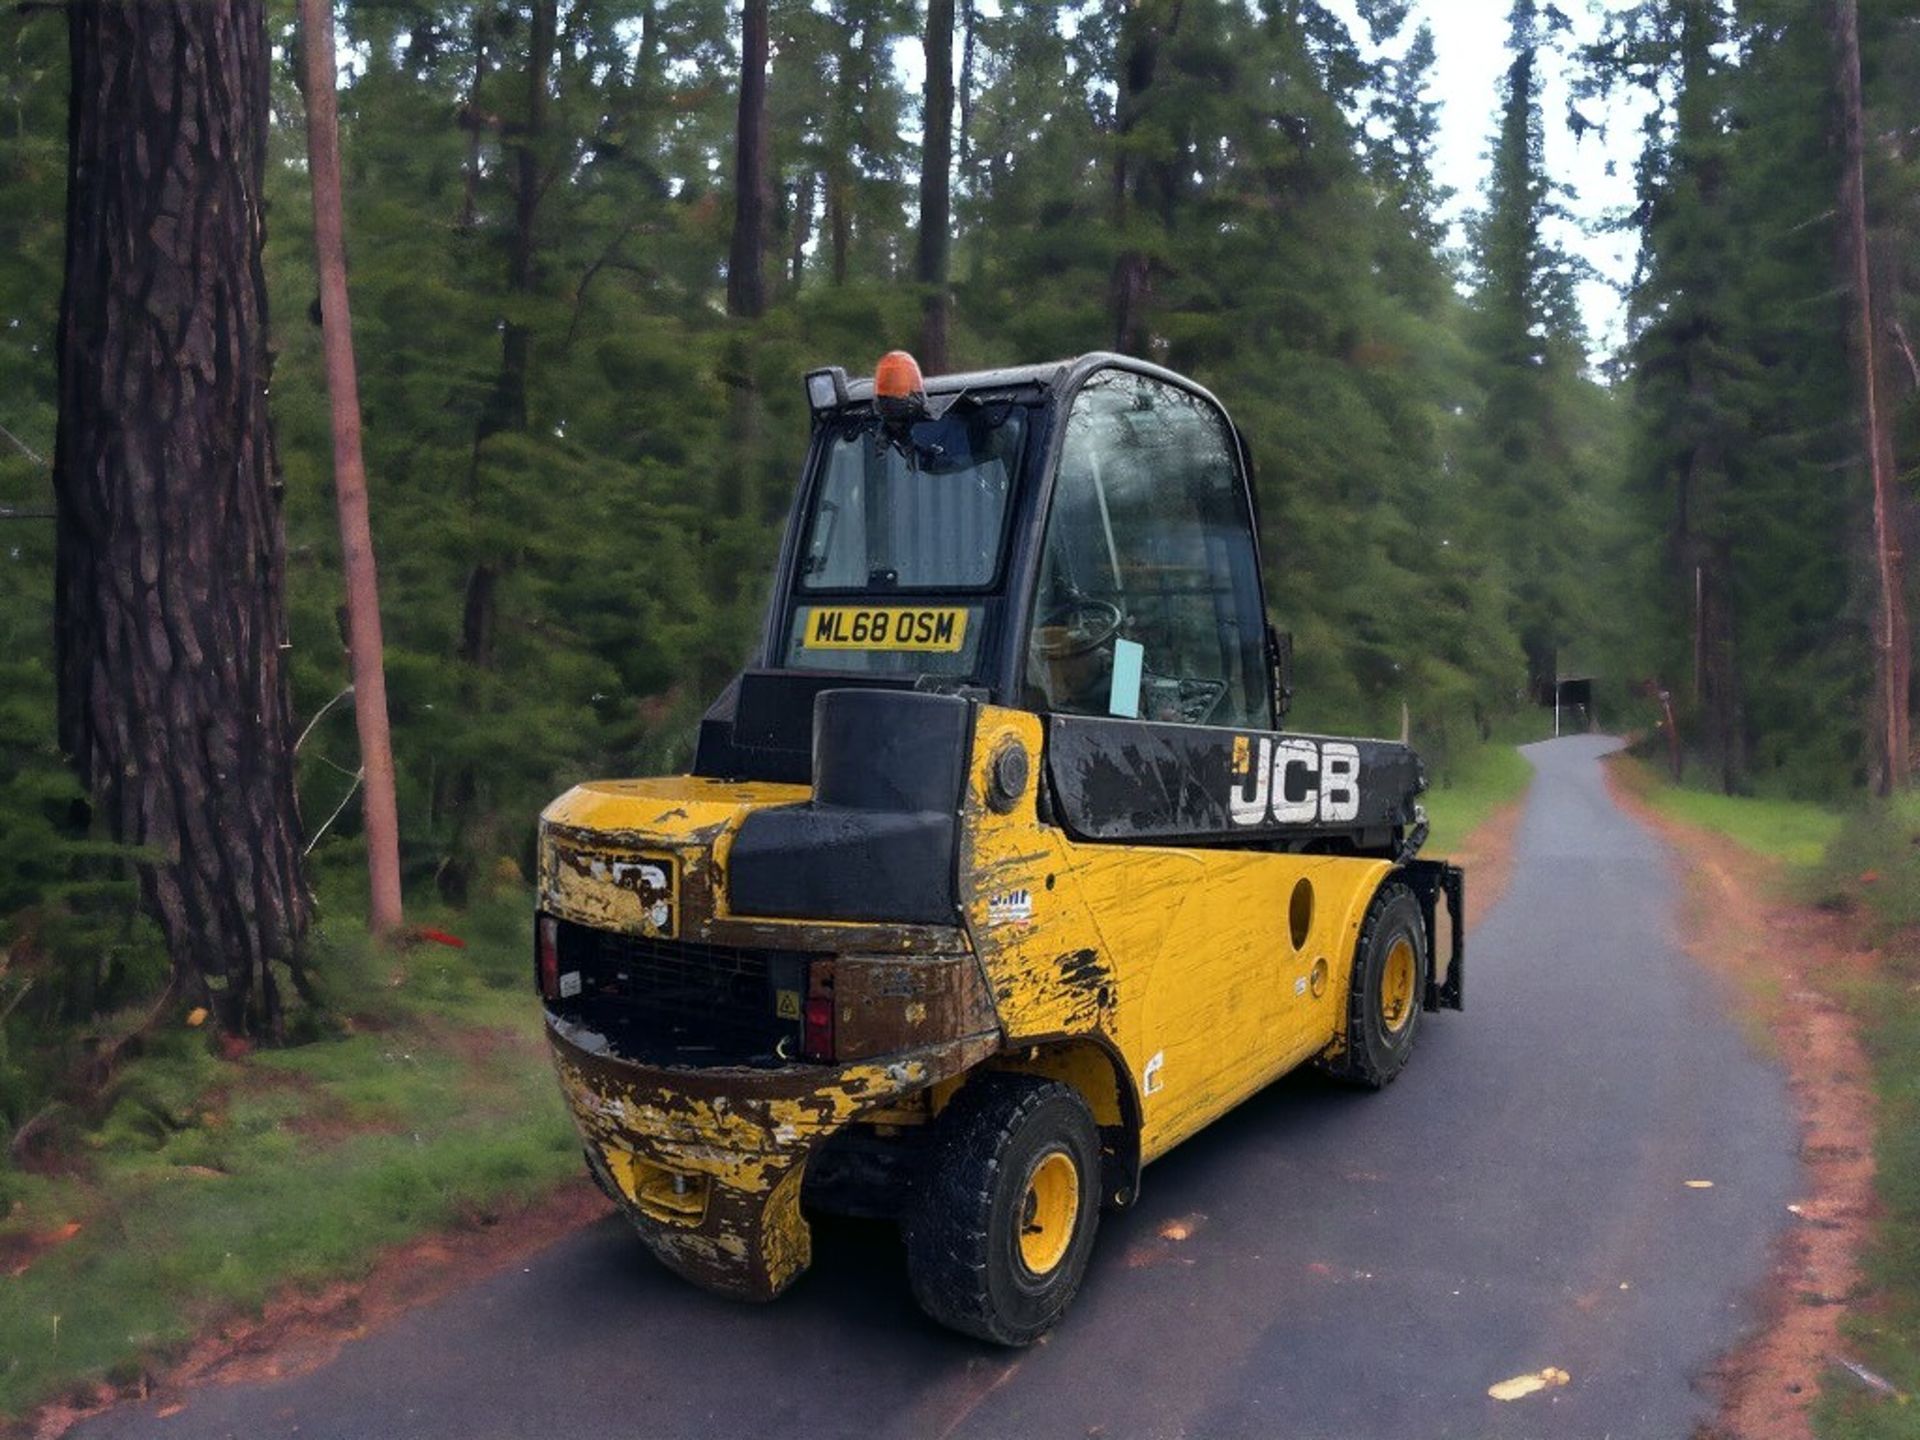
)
(738, 1148)
(786, 1239)
(1520, 1386)
(1173, 952)
(744, 1142)
(667, 809)
(595, 838)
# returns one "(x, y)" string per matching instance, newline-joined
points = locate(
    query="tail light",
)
(816, 1015)
(546, 955)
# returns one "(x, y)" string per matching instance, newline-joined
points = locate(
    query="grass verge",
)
(1863, 865)
(1873, 869)
(212, 1183)
(1797, 832)
(1473, 784)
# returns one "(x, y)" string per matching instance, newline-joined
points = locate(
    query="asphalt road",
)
(1353, 1266)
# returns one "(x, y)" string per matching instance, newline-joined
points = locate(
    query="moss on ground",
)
(208, 1185)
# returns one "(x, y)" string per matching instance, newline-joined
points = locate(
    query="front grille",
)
(681, 1000)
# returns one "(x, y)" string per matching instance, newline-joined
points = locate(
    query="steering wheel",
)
(1078, 625)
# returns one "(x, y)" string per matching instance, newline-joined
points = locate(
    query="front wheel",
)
(999, 1234)
(1390, 968)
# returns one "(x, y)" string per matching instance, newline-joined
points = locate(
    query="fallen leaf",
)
(197, 1016)
(167, 1412)
(1869, 877)
(1523, 1385)
(1183, 1228)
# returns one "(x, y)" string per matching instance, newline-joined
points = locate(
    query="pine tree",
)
(1531, 348)
(171, 617)
(1687, 368)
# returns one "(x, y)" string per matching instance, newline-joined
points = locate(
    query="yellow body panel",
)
(1179, 958)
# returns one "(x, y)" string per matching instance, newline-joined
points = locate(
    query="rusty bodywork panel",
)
(708, 1162)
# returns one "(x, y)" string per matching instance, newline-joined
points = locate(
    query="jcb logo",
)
(1294, 781)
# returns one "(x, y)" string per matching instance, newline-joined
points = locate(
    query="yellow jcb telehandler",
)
(996, 876)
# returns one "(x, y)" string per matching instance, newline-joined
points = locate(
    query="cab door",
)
(1148, 600)
(1147, 609)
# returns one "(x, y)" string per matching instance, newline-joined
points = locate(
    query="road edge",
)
(303, 1328)
(1734, 919)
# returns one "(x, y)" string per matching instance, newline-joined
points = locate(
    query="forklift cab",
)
(1080, 541)
(1077, 539)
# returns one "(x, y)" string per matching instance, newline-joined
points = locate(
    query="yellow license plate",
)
(895, 627)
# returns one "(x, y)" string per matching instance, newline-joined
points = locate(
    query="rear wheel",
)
(999, 1234)
(1390, 967)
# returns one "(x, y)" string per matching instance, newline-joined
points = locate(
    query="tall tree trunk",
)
(506, 409)
(1892, 650)
(969, 25)
(529, 182)
(1141, 37)
(839, 225)
(842, 157)
(474, 125)
(746, 259)
(747, 264)
(936, 187)
(802, 228)
(170, 570)
(365, 650)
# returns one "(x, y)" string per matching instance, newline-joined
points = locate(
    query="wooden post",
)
(365, 650)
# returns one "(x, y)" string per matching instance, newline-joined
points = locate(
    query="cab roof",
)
(1056, 375)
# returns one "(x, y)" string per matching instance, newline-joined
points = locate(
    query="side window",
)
(1149, 596)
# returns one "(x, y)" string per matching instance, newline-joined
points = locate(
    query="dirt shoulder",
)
(1788, 966)
(1487, 857)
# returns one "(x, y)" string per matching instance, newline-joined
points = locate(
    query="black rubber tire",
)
(1374, 1055)
(963, 1227)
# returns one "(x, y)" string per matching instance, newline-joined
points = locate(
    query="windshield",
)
(919, 510)
(905, 536)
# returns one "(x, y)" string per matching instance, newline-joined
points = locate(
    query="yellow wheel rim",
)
(1048, 1212)
(1396, 987)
